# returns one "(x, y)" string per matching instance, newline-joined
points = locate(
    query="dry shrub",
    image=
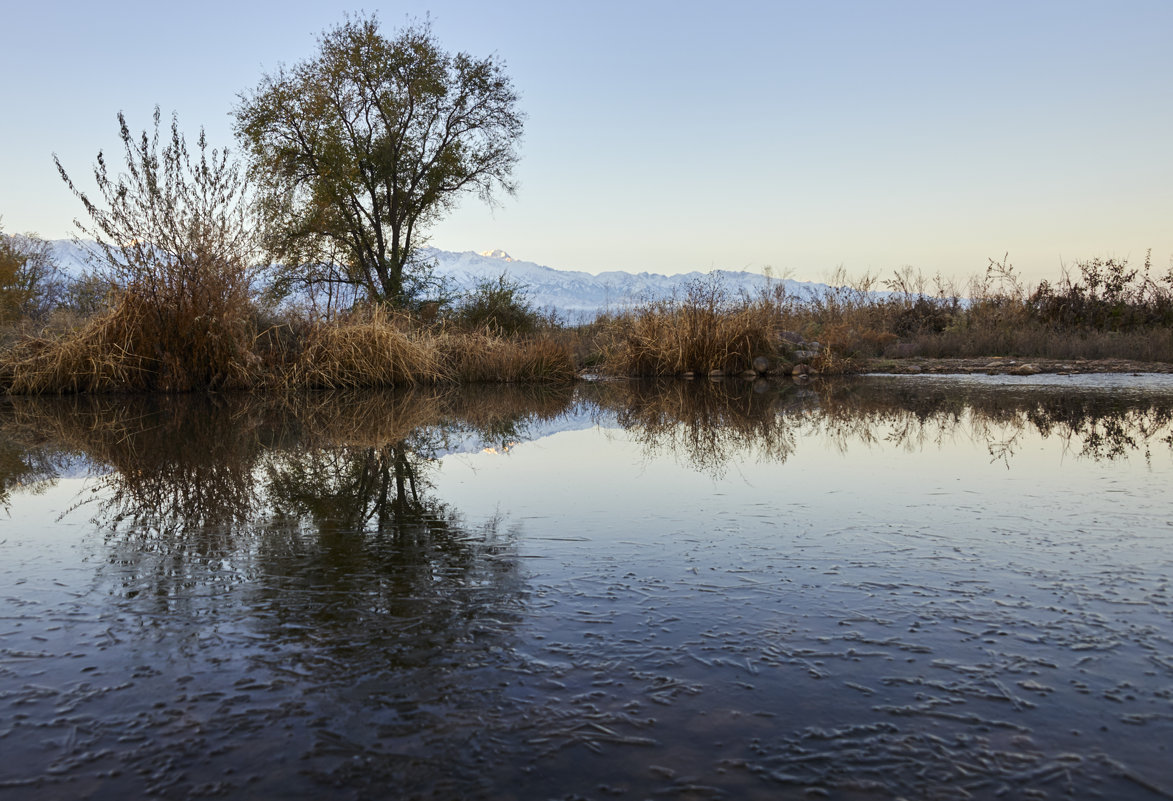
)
(198, 338)
(703, 332)
(854, 319)
(1041, 341)
(173, 232)
(482, 357)
(371, 349)
(96, 358)
(1113, 312)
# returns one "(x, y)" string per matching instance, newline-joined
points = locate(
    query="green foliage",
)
(362, 147)
(499, 305)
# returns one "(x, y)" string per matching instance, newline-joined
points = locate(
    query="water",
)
(889, 587)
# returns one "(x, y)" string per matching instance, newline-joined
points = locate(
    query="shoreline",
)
(1005, 365)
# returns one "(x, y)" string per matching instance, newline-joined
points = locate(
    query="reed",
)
(137, 345)
(481, 357)
(375, 348)
(702, 332)
(1109, 312)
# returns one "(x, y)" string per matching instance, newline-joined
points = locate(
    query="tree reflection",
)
(25, 470)
(305, 537)
(708, 425)
(31, 458)
(915, 413)
(187, 488)
(350, 489)
(189, 473)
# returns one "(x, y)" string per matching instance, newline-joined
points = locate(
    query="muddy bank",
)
(1002, 365)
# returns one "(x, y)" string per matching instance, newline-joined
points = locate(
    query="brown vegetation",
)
(1108, 312)
(197, 332)
(128, 349)
(703, 332)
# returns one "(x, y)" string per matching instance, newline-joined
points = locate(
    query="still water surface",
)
(888, 587)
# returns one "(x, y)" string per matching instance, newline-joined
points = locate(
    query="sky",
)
(795, 136)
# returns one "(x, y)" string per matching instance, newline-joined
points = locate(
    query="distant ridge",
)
(577, 294)
(573, 294)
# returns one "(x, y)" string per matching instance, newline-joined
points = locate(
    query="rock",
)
(688, 376)
(1025, 369)
(717, 373)
(793, 337)
(805, 355)
(800, 370)
(761, 364)
(750, 374)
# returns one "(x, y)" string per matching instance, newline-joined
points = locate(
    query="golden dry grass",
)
(200, 336)
(124, 350)
(376, 349)
(701, 333)
(480, 357)
(198, 339)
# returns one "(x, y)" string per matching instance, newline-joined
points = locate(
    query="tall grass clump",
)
(481, 357)
(702, 332)
(1107, 311)
(369, 348)
(172, 234)
(1107, 296)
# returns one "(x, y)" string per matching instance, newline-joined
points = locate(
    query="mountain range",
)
(572, 294)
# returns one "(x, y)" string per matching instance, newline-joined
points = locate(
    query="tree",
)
(30, 282)
(359, 149)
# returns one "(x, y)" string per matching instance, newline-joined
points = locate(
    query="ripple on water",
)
(864, 613)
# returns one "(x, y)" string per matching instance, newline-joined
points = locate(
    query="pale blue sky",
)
(673, 136)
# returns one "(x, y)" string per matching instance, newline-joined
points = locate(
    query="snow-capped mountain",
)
(574, 295)
(578, 294)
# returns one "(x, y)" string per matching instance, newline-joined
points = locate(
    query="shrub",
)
(483, 357)
(498, 305)
(372, 348)
(703, 332)
(173, 234)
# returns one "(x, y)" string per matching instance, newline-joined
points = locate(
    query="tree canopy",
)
(30, 282)
(356, 151)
